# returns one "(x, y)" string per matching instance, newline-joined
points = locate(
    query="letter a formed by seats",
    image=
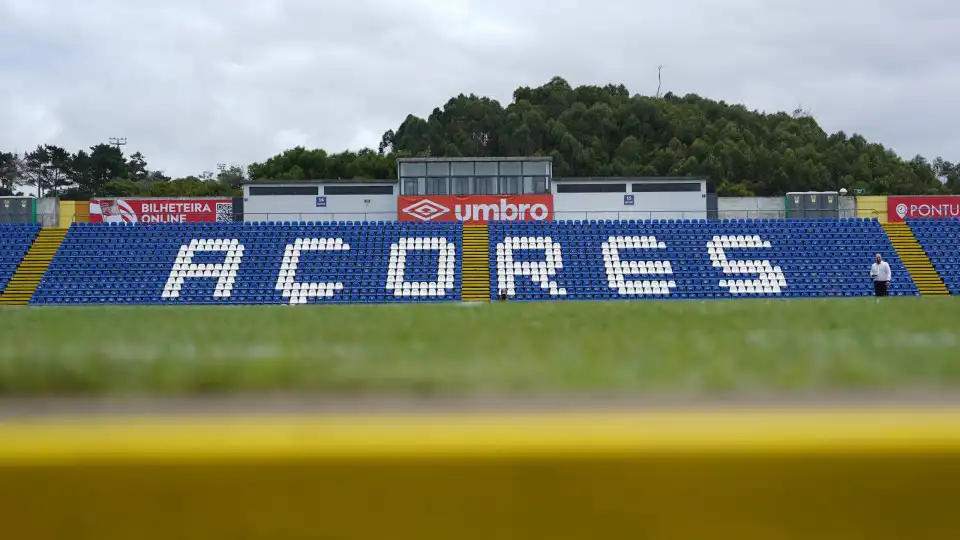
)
(184, 268)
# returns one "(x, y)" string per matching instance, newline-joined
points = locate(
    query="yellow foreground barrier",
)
(677, 475)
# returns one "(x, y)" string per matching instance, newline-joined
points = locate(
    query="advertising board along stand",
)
(475, 209)
(900, 208)
(161, 210)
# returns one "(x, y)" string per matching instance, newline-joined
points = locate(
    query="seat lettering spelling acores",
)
(692, 258)
(382, 262)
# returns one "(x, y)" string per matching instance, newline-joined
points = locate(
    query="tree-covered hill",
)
(589, 131)
(594, 131)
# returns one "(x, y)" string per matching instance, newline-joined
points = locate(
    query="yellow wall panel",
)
(872, 206)
(83, 212)
(67, 212)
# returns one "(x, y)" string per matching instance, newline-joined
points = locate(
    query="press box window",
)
(486, 185)
(284, 190)
(358, 190)
(591, 188)
(411, 186)
(460, 186)
(666, 187)
(510, 185)
(538, 184)
(436, 186)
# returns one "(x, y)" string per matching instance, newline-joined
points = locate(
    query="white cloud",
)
(192, 83)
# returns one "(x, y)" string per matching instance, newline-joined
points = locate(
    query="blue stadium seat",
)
(940, 239)
(254, 263)
(690, 259)
(15, 242)
(379, 262)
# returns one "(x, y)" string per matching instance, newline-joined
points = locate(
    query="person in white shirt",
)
(880, 272)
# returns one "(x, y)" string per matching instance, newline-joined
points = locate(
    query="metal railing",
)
(562, 215)
(392, 216)
(320, 216)
(635, 215)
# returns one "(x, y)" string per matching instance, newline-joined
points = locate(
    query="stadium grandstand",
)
(364, 262)
(531, 237)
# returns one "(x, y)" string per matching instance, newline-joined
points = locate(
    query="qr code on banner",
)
(224, 211)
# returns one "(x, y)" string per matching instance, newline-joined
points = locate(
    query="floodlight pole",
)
(117, 142)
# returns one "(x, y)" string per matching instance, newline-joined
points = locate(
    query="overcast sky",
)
(193, 83)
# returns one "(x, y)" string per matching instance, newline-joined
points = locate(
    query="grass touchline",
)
(553, 347)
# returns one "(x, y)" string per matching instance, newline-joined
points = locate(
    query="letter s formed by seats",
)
(770, 279)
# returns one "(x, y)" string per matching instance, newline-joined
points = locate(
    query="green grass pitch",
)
(641, 347)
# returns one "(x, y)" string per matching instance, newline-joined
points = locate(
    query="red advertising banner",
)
(476, 208)
(922, 206)
(160, 210)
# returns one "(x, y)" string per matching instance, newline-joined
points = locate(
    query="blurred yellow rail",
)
(886, 474)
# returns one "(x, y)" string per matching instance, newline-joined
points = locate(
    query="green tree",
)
(11, 173)
(602, 131)
(302, 164)
(47, 168)
(104, 164)
(232, 177)
(137, 168)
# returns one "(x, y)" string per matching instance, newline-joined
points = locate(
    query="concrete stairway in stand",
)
(476, 264)
(31, 269)
(915, 260)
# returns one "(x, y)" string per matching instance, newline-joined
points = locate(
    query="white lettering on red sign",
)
(175, 208)
(505, 211)
(169, 218)
(934, 210)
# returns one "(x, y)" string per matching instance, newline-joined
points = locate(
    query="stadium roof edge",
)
(630, 179)
(319, 181)
(455, 159)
